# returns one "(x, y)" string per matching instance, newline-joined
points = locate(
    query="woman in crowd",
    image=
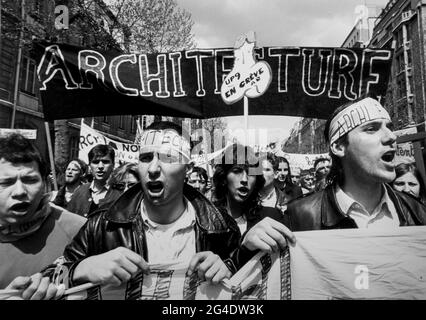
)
(238, 180)
(122, 178)
(409, 180)
(283, 179)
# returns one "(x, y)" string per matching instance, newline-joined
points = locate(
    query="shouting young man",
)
(160, 220)
(362, 148)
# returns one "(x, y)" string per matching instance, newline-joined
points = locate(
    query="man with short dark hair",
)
(362, 148)
(322, 168)
(160, 220)
(33, 233)
(86, 199)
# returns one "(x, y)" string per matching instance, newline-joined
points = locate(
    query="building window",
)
(399, 66)
(27, 78)
(133, 124)
(121, 122)
(400, 88)
(105, 119)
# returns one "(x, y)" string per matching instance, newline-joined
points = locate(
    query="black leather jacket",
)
(320, 211)
(121, 225)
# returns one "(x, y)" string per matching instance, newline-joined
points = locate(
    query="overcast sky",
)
(277, 23)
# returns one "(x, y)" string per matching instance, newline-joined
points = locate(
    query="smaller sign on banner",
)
(248, 77)
(27, 133)
(405, 151)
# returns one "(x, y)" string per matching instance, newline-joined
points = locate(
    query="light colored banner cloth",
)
(359, 264)
(334, 264)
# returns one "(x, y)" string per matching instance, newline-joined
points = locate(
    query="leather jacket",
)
(81, 201)
(121, 225)
(320, 211)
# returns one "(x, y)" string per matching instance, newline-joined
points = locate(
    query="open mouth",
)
(388, 156)
(243, 191)
(155, 186)
(20, 207)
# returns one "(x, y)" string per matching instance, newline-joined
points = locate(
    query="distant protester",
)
(197, 178)
(122, 178)
(270, 194)
(283, 179)
(74, 175)
(409, 180)
(86, 198)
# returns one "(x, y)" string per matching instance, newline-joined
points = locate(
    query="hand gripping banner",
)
(305, 81)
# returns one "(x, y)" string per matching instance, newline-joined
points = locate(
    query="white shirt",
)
(242, 223)
(270, 200)
(384, 216)
(98, 194)
(172, 242)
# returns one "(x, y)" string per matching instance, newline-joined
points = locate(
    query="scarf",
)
(17, 231)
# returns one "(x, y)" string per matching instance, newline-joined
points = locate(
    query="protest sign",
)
(306, 81)
(89, 137)
(303, 161)
(27, 133)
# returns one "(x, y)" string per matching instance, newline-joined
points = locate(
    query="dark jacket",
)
(320, 211)
(81, 201)
(255, 214)
(121, 225)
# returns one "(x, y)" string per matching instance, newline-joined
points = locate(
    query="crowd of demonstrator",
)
(104, 225)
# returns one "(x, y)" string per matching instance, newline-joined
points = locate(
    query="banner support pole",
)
(52, 163)
(246, 114)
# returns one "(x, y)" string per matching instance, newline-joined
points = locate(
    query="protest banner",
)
(303, 161)
(306, 81)
(27, 133)
(89, 137)
(367, 264)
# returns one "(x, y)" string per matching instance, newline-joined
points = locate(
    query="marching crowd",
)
(104, 225)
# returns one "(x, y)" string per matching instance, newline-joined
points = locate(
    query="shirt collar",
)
(345, 202)
(94, 189)
(187, 218)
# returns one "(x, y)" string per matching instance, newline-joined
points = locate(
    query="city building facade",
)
(21, 22)
(401, 26)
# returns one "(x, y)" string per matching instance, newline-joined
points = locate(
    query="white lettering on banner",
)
(124, 152)
(361, 280)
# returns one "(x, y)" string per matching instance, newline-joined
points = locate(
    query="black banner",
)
(306, 81)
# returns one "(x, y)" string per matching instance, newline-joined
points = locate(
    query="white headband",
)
(77, 164)
(165, 141)
(355, 115)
